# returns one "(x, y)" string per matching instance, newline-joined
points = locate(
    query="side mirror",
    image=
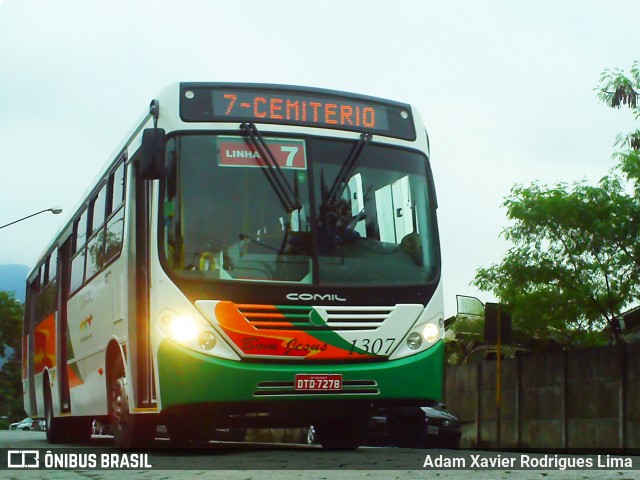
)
(152, 153)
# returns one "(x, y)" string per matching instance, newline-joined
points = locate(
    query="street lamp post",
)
(54, 210)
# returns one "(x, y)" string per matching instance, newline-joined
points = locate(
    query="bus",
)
(251, 256)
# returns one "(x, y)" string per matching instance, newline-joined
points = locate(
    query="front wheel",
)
(345, 433)
(129, 431)
(311, 435)
(53, 426)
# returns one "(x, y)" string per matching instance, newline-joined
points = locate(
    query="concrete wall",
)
(587, 398)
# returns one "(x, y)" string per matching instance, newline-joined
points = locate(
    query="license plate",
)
(431, 430)
(318, 382)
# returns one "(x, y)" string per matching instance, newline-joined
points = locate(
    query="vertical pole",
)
(498, 385)
(622, 396)
(478, 404)
(518, 400)
(565, 400)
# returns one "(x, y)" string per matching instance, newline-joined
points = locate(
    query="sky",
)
(505, 88)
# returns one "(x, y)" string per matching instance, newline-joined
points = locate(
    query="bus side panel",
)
(93, 322)
(27, 350)
(25, 368)
(44, 356)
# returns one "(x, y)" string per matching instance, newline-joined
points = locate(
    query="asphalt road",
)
(248, 461)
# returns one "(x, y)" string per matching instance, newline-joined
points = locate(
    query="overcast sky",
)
(506, 89)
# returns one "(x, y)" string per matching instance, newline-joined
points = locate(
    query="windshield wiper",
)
(273, 171)
(346, 171)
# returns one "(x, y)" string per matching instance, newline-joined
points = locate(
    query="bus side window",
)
(80, 238)
(97, 210)
(115, 229)
(47, 293)
(95, 247)
(80, 231)
(115, 223)
(117, 188)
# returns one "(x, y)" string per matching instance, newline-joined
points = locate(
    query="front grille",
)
(291, 317)
(359, 318)
(270, 317)
(349, 387)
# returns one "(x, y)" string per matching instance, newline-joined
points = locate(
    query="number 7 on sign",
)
(291, 154)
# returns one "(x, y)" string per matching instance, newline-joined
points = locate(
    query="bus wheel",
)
(181, 436)
(129, 431)
(53, 425)
(342, 434)
(79, 430)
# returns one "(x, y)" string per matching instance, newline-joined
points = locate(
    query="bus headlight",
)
(206, 340)
(414, 341)
(431, 332)
(182, 328)
(190, 330)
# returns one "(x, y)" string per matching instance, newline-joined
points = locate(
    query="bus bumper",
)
(188, 377)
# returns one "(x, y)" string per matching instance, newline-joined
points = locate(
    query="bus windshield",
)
(228, 217)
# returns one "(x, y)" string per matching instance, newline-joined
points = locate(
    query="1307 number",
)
(376, 346)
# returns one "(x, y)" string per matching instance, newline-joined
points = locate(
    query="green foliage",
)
(572, 265)
(11, 313)
(618, 89)
(575, 260)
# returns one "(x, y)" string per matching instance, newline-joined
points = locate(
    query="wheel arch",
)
(47, 392)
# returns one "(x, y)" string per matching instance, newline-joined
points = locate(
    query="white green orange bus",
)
(251, 256)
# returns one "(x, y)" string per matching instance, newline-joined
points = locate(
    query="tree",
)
(569, 273)
(11, 312)
(575, 259)
(618, 89)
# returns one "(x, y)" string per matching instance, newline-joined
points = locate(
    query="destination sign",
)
(295, 106)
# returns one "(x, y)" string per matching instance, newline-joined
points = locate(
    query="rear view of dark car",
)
(414, 427)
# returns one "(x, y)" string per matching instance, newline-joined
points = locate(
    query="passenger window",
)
(53, 265)
(43, 273)
(81, 231)
(117, 188)
(77, 271)
(98, 206)
(115, 229)
(95, 255)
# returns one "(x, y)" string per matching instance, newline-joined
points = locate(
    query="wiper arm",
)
(242, 236)
(273, 171)
(347, 169)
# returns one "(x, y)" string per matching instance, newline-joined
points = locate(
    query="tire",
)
(343, 433)
(311, 435)
(179, 436)
(189, 436)
(404, 425)
(232, 435)
(54, 427)
(78, 429)
(129, 431)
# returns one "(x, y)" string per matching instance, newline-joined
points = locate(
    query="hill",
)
(13, 278)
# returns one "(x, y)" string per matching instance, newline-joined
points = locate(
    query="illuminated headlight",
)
(183, 329)
(431, 332)
(414, 341)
